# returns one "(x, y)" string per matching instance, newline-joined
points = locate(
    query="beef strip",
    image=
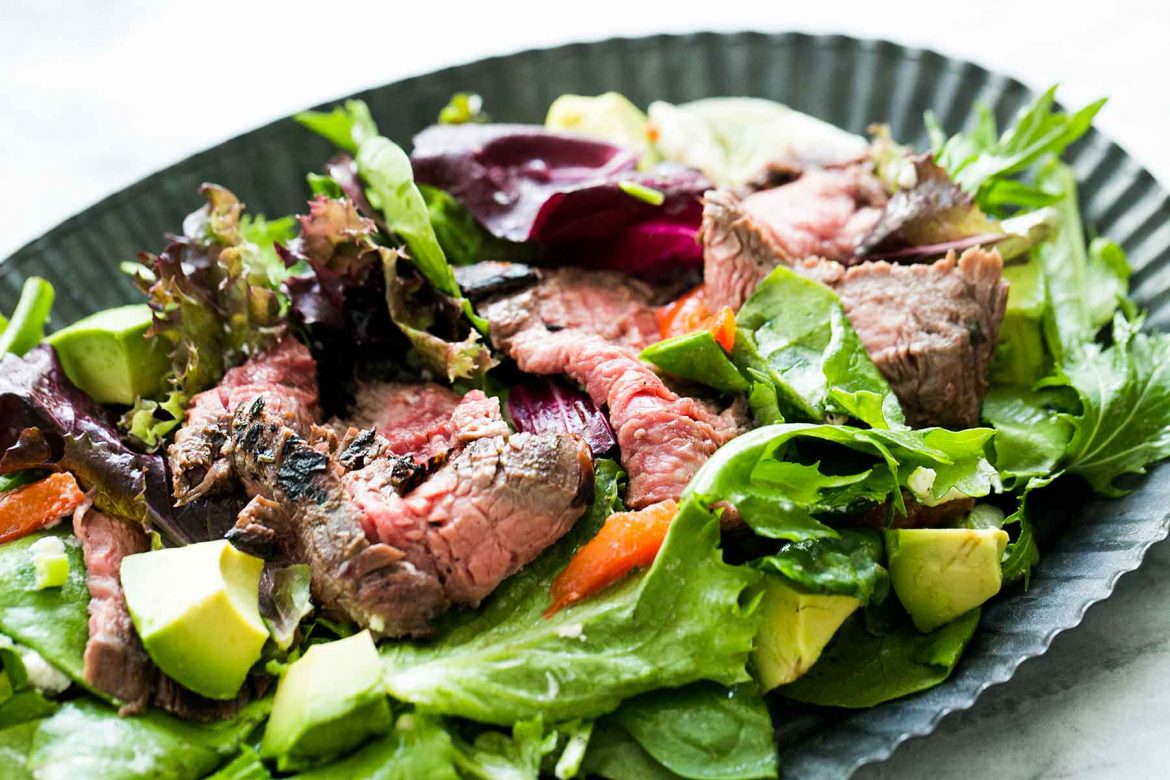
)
(115, 662)
(380, 587)
(664, 438)
(613, 305)
(284, 375)
(823, 213)
(930, 328)
(414, 419)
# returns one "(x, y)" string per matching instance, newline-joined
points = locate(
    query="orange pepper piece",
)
(689, 314)
(36, 505)
(627, 540)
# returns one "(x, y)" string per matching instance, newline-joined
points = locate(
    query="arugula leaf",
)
(418, 746)
(1022, 554)
(982, 162)
(1032, 431)
(860, 668)
(1124, 391)
(816, 371)
(51, 621)
(88, 739)
(779, 495)
(846, 566)
(704, 731)
(585, 659)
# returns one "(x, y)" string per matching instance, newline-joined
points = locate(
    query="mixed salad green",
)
(668, 671)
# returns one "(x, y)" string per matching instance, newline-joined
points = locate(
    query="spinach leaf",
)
(704, 731)
(816, 371)
(699, 358)
(52, 621)
(88, 739)
(418, 746)
(1032, 431)
(846, 566)
(863, 669)
(512, 664)
(616, 755)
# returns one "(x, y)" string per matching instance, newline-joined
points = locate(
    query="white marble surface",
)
(95, 94)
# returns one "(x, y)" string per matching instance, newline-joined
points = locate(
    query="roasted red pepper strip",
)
(627, 540)
(34, 506)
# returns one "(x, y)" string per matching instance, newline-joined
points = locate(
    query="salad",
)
(557, 450)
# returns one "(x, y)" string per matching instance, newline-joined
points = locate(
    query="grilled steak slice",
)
(930, 329)
(492, 509)
(285, 376)
(664, 438)
(824, 213)
(391, 591)
(115, 662)
(613, 305)
(424, 421)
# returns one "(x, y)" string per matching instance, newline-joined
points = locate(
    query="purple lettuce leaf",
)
(523, 182)
(47, 423)
(551, 406)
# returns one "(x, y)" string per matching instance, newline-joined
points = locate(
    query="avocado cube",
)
(329, 701)
(796, 628)
(197, 611)
(942, 573)
(109, 356)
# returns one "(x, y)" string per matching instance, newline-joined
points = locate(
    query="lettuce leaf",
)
(26, 329)
(780, 482)
(510, 663)
(418, 746)
(703, 731)
(85, 738)
(616, 755)
(816, 371)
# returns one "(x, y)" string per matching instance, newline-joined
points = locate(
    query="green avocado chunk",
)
(109, 356)
(941, 573)
(197, 611)
(699, 358)
(796, 627)
(328, 702)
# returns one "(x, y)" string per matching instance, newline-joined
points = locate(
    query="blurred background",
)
(95, 94)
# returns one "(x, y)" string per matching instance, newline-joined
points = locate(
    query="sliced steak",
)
(617, 307)
(285, 376)
(664, 438)
(115, 662)
(931, 330)
(492, 509)
(824, 213)
(391, 591)
(425, 420)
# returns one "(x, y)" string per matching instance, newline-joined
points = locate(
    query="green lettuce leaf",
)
(246, 766)
(777, 477)
(698, 358)
(849, 565)
(495, 755)
(511, 664)
(85, 738)
(616, 755)
(15, 745)
(1032, 431)
(863, 667)
(816, 371)
(51, 621)
(704, 731)
(984, 162)
(418, 746)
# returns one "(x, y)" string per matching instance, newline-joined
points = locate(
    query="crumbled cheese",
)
(42, 675)
(921, 484)
(570, 631)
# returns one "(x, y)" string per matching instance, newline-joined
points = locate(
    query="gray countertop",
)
(95, 95)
